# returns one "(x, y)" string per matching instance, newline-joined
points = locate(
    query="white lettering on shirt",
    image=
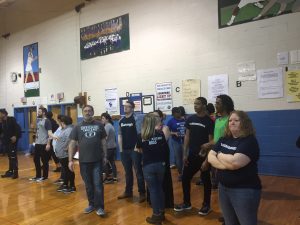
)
(89, 131)
(126, 124)
(154, 140)
(228, 147)
(197, 124)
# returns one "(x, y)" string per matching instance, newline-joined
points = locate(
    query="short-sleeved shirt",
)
(245, 177)
(128, 130)
(61, 147)
(200, 128)
(154, 149)
(220, 125)
(89, 136)
(177, 126)
(43, 126)
(111, 136)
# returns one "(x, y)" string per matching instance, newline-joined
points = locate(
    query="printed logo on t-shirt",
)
(89, 131)
(154, 140)
(197, 124)
(228, 147)
(126, 124)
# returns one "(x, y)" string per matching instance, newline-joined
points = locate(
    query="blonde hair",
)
(148, 126)
(246, 126)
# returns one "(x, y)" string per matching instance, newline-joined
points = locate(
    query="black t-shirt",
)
(127, 128)
(200, 128)
(154, 149)
(9, 129)
(89, 136)
(245, 177)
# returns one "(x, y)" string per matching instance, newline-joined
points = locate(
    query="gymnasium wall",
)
(170, 41)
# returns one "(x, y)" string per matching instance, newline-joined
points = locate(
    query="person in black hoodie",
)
(11, 133)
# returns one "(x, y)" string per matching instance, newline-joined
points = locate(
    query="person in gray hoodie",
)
(61, 150)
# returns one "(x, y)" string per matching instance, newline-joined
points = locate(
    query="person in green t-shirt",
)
(224, 106)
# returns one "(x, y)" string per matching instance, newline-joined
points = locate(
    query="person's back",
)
(111, 136)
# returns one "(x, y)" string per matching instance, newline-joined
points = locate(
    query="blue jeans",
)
(91, 174)
(131, 158)
(178, 151)
(239, 205)
(154, 176)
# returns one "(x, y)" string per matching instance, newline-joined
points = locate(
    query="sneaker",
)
(89, 209)
(172, 167)
(142, 198)
(59, 181)
(15, 175)
(70, 190)
(125, 195)
(34, 178)
(100, 212)
(115, 179)
(42, 179)
(7, 174)
(259, 5)
(154, 219)
(108, 181)
(183, 206)
(62, 188)
(205, 210)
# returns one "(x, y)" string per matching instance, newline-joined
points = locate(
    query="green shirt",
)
(220, 125)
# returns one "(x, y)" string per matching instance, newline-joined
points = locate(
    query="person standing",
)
(61, 150)
(111, 147)
(199, 134)
(127, 139)
(153, 146)
(42, 146)
(177, 131)
(11, 134)
(90, 136)
(235, 156)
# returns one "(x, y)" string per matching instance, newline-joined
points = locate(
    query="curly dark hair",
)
(227, 103)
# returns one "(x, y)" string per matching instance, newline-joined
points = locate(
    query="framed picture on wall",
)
(234, 12)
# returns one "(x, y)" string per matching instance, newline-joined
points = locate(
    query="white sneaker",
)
(259, 5)
(100, 212)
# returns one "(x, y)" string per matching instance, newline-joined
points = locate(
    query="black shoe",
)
(57, 170)
(205, 210)
(125, 195)
(221, 219)
(59, 181)
(142, 198)
(182, 207)
(108, 181)
(62, 188)
(154, 219)
(70, 190)
(7, 174)
(34, 178)
(15, 175)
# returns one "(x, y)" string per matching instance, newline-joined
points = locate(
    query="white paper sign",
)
(164, 100)
(190, 91)
(217, 85)
(295, 56)
(270, 83)
(283, 58)
(246, 71)
(111, 100)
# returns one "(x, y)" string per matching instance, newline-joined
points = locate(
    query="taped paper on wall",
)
(269, 83)
(217, 85)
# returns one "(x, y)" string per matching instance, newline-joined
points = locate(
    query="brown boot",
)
(125, 195)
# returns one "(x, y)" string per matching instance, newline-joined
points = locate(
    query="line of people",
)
(224, 150)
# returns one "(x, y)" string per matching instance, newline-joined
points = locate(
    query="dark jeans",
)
(189, 171)
(178, 152)
(239, 205)
(91, 174)
(154, 176)
(111, 154)
(68, 175)
(40, 153)
(12, 157)
(131, 158)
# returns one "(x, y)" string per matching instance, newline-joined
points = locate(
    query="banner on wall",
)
(105, 38)
(234, 12)
(292, 85)
(31, 70)
(217, 85)
(111, 100)
(270, 83)
(164, 101)
(190, 91)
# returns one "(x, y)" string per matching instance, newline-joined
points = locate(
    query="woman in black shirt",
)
(153, 145)
(235, 156)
